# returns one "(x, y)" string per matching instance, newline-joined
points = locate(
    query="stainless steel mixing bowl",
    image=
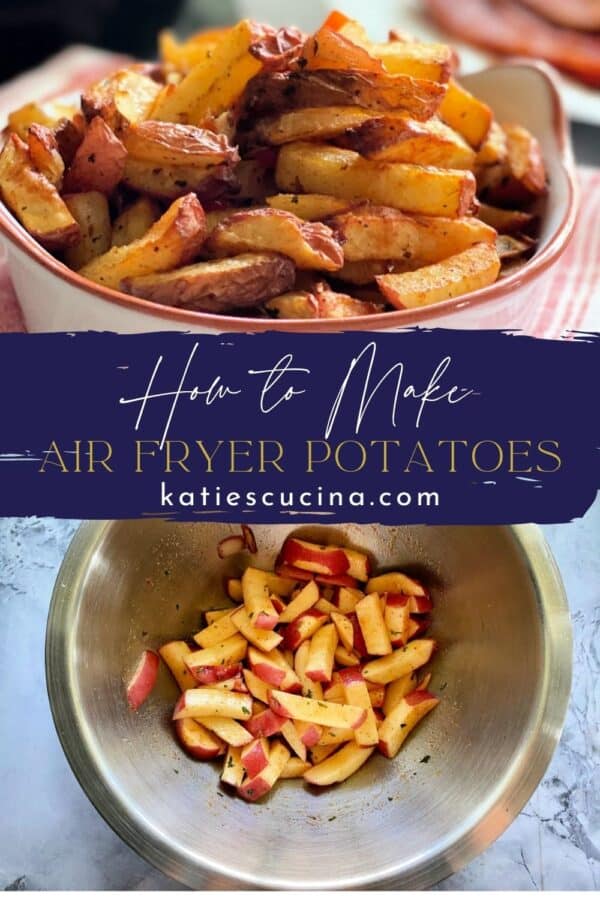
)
(503, 675)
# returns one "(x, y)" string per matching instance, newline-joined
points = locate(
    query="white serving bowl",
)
(54, 298)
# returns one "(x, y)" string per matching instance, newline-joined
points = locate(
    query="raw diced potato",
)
(90, 211)
(33, 199)
(340, 766)
(468, 271)
(172, 241)
(319, 168)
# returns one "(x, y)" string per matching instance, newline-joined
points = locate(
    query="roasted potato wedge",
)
(364, 272)
(293, 305)
(494, 149)
(376, 233)
(49, 114)
(466, 114)
(253, 183)
(218, 285)
(399, 139)
(170, 144)
(328, 49)
(214, 84)
(121, 99)
(431, 61)
(99, 161)
(171, 242)
(44, 154)
(319, 168)
(274, 92)
(319, 123)
(170, 182)
(91, 212)
(135, 221)
(510, 247)
(468, 271)
(311, 245)
(505, 221)
(189, 53)
(33, 199)
(522, 176)
(312, 207)
(333, 305)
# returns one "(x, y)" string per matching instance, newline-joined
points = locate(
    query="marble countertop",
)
(54, 839)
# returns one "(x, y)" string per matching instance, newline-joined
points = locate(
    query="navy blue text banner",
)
(424, 426)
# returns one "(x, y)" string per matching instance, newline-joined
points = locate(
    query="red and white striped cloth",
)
(569, 298)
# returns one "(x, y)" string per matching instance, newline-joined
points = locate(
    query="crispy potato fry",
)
(48, 114)
(90, 211)
(310, 245)
(171, 242)
(431, 61)
(466, 114)
(311, 124)
(121, 99)
(320, 168)
(218, 286)
(44, 154)
(467, 271)
(399, 139)
(170, 144)
(505, 221)
(311, 207)
(99, 161)
(33, 199)
(378, 232)
(135, 221)
(523, 175)
(275, 92)
(214, 84)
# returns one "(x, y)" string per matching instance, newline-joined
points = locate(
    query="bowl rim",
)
(15, 234)
(466, 842)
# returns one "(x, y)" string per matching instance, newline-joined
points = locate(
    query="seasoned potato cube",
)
(121, 99)
(468, 271)
(44, 154)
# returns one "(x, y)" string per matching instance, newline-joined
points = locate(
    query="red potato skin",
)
(416, 697)
(254, 759)
(265, 724)
(311, 735)
(420, 605)
(266, 621)
(287, 571)
(143, 680)
(335, 561)
(99, 161)
(254, 789)
(337, 580)
(197, 751)
(350, 675)
(418, 626)
(278, 604)
(300, 629)
(359, 641)
(213, 674)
